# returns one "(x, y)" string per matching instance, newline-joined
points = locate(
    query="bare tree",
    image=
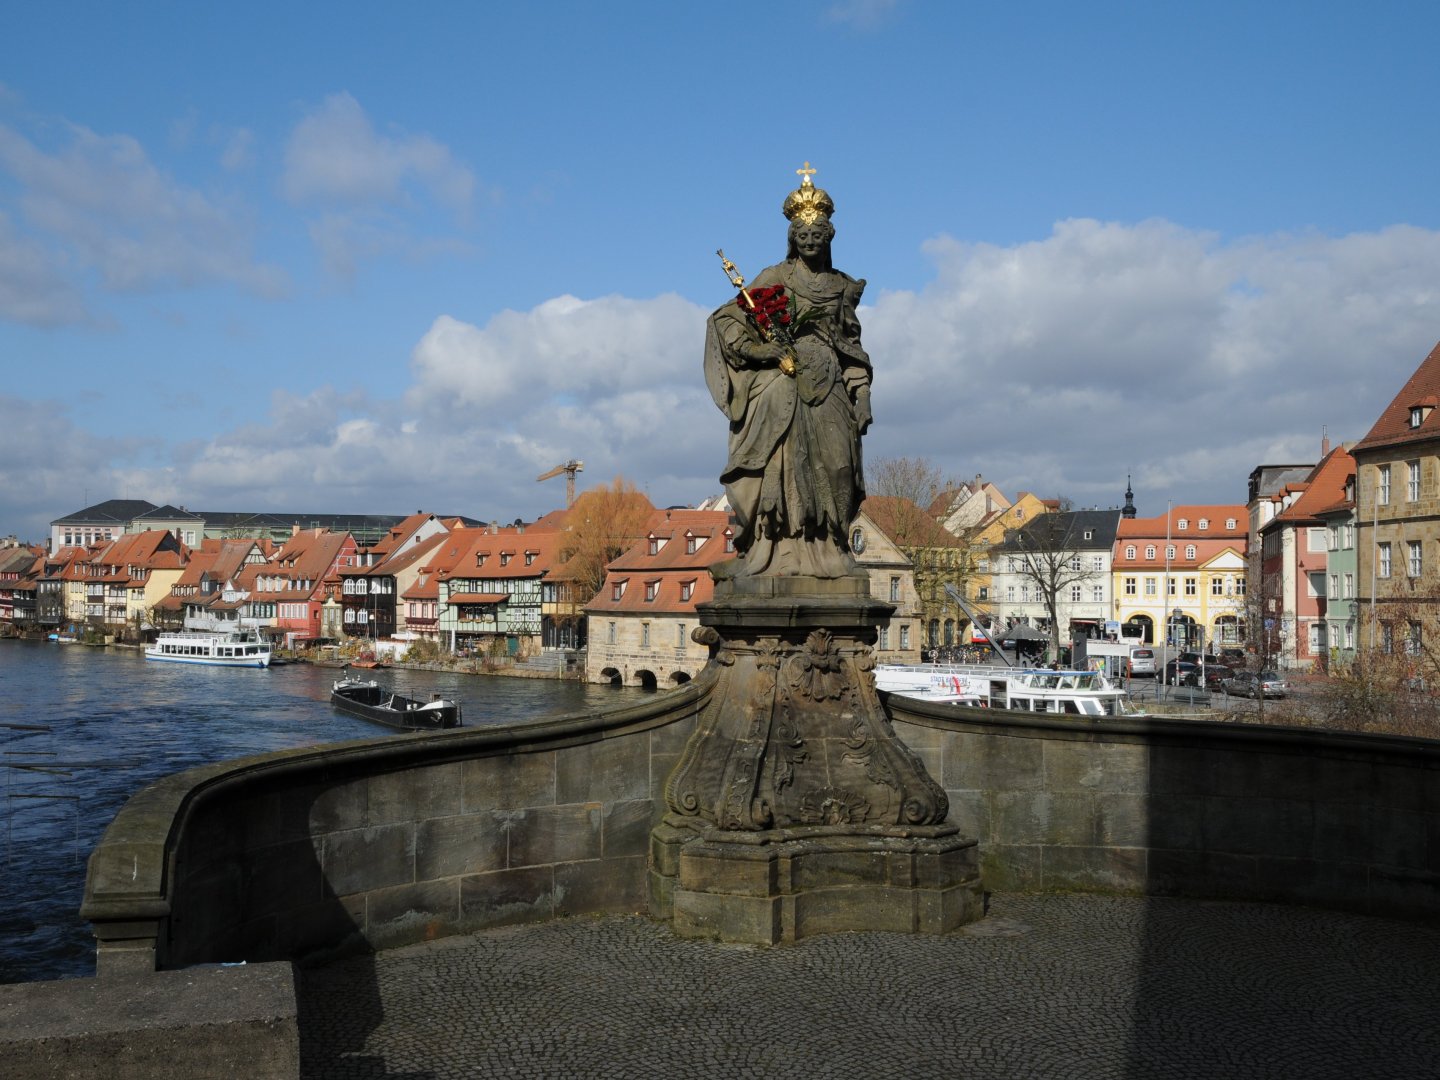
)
(915, 484)
(1046, 555)
(902, 492)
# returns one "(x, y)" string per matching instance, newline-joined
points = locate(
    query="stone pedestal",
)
(794, 808)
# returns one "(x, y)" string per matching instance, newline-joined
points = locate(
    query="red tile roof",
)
(1393, 427)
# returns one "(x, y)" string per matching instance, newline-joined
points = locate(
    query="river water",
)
(82, 729)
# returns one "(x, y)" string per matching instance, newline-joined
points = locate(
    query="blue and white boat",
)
(232, 648)
(1083, 693)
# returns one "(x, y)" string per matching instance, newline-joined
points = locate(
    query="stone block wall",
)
(1194, 808)
(386, 841)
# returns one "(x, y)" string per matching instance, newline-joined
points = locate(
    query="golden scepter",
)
(772, 329)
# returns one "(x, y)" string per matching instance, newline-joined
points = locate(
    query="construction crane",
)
(570, 468)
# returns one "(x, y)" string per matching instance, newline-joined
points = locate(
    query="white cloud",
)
(33, 287)
(100, 200)
(336, 155)
(1058, 367)
(1062, 365)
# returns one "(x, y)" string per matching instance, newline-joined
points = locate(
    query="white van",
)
(1142, 662)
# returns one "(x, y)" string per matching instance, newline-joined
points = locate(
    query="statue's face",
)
(811, 240)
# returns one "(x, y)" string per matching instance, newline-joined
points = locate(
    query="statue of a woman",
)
(793, 476)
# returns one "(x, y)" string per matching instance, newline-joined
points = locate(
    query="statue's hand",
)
(863, 416)
(762, 353)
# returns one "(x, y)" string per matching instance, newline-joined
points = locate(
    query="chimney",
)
(1324, 443)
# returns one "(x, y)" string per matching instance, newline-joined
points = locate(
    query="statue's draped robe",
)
(793, 475)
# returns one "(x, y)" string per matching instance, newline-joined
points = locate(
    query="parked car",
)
(1215, 676)
(1142, 662)
(1232, 657)
(1182, 673)
(1249, 684)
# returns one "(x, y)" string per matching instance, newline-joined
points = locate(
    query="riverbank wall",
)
(380, 842)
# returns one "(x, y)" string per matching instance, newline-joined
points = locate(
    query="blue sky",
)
(374, 258)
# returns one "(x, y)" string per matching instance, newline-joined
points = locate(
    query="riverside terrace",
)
(379, 844)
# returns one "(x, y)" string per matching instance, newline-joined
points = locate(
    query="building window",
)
(611, 634)
(884, 637)
(1382, 495)
(905, 636)
(1010, 593)
(1169, 551)
(1412, 639)
(1024, 594)
(687, 590)
(1189, 551)
(1334, 593)
(1204, 524)
(654, 545)
(1150, 586)
(1412, 481)
(1191, 586)
(1130, 589)
(1415, 557)
(1098, 563)
(617, 589)
(505, 557)
(1130, 551)
(645, 635)
(1097, 593)
(1384, 557)
(1170, 584)
(984, 593)
(1350, 635)
(1316, 640)
(1217, 586)
(1074, 594)
(1230, 524)
(1239, 586)
(1182, 524)
(1149, 551)
(652, 590)
(729, 542)
(894, 590)
(680, 635)
(530, 557)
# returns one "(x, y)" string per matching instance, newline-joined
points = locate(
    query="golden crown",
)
(808, 202)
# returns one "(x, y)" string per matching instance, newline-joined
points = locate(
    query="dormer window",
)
(505, 557)
(655, 544)
(481, 557)
(652, 590)
(617, 588)
(1420, 411)
(1130, 552)
(729, 542)
(1204, 524)
(1229, 523)
(687, 590)
(692, 543)
(1150, 551)
(1182, 524)
(530, 557)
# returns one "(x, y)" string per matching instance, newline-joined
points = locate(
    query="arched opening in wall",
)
(679, 678)
(612, 676)
(646, 680)
(1139, 626)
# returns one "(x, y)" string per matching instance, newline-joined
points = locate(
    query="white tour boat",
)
(221, 648)
(1080, 693)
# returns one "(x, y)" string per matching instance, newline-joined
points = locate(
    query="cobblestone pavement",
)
(1074, 987)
